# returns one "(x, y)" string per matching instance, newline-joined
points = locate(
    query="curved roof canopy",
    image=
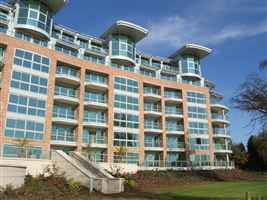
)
(136, 32)
(54, 5)
(192, 49)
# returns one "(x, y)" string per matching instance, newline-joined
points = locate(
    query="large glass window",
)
(95, 116)
(151, 123)
(26, 105)
(65, 91)
(191, 65)
(94, 58)
(197, 112)
(126, 120)
(125, 139)
(199, 143)
(126, 102)
(96, 77)
(147, 72)
(69, 71)
(24, 129)
(30, 38)
(67, 51)
(198, 128)
(28, 82)
(93, 96)
(194, 97)
(125, 84)
(95, 136)
(174, 125)
(63, 111)
(63, 133)
(34, 13)
(31, 60)
(123, 46)
(18, 151)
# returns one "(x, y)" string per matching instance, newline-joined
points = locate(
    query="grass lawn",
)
(212, 190)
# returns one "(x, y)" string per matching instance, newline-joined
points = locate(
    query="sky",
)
(236, 30)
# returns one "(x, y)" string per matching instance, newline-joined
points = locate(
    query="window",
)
(93, 96)
(191, 65)
(95, 136)
(28, 82)
(96, 77)
(130, 158)
(152, 123)
(153, 141)
(171, 93)
(69, 71)
(198, 128)
(197, 112)
(94, 58)
(95, 116)
(147, 72)
(24, 129)
(174, 125)
(65, 91)
(127, 85)
(123, 46)
(29, 38)
(150, 89)
(83, 43)
(200, 158)
(67, 51)
(191, 81)
(126, 120)
(34, 13)
(68, 38)
(125, 139)
(63, 133)
(199, 143)
(194, 97)
(173, 109)
(63, 111)
(26, 105)
(31, 60)
(17, 151)
(168, 77)
(126, 102)
(3, 29)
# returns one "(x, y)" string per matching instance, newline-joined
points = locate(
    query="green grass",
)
(211, 191)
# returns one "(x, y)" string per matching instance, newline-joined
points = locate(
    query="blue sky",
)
(236, 30)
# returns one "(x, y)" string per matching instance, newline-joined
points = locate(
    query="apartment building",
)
(61, 89)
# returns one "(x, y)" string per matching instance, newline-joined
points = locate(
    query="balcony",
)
(97, 142)
(66, 96)
(170, 69)
(2, 61)
(178, 146)
(153, 145)
(172, 97)
(96, 102)
(96, 50)
(151, 66)
(152, 93)
(97, 122)
(96, 83)
(4, 18)
(175, 130)
(152, 127)
(97, 157)
(64, 118)
(216, 104)
(173, 113)
(68, 76)
(64, 140)
(221, 132)
(222, 148)
(152, 110)
(220, 118)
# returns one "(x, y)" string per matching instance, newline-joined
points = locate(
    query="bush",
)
(74, 186)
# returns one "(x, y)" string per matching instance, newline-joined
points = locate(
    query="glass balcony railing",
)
(152, 108)
(97, 139)
(150, 90)
(96, 157)
(70, 137)
(67, 92)
(178, 128)
(199, 146)
(219, 116)
(174, 145)
(151, 143)
(62, 70)
(173, 111)
(95, 119)
(64, 115)
(152, 125)
(95, 79)
(220, 131)
(222, 147)
(171, 69)
(95, 99)
(172, 95)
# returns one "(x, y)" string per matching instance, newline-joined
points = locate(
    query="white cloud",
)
(211, 29)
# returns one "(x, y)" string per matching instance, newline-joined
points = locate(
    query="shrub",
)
(74, 186)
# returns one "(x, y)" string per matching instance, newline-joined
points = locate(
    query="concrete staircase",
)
(87, 173)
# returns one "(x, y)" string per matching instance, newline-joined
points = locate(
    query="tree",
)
(239, 155)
